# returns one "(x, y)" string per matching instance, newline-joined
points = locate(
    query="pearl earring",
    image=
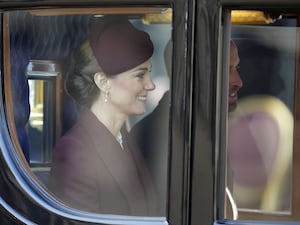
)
(106, 96)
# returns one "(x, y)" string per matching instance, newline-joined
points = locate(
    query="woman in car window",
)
(96, 166)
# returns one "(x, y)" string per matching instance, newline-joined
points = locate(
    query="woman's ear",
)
(101, 81)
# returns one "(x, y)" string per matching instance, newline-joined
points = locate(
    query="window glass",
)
(262, 95)
(91, 99)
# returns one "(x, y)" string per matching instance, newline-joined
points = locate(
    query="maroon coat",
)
(91, 172)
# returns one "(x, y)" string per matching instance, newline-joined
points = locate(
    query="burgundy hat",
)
(118, 46)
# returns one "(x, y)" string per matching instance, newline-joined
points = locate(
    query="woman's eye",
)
(140, 75)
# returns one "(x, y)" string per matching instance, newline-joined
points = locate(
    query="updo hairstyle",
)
(79, 83)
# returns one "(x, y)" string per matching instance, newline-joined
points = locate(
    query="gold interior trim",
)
(250, 17)
(164, 17)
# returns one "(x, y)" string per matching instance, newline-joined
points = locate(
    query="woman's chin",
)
(140, 112)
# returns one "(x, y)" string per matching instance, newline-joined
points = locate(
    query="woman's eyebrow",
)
(143, 69)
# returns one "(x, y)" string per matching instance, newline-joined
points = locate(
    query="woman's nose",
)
(149, 85)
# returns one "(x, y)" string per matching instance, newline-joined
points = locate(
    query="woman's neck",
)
(111, 119)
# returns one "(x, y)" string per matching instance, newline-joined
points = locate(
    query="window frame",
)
(226, 7)
(35, 199)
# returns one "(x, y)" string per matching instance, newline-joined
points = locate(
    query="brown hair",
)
(79, 83)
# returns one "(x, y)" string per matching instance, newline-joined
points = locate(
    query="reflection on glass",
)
(106, 172)
(260, 129)
(43, 80)
(36, 119)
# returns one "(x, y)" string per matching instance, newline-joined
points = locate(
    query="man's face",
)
(235, 82)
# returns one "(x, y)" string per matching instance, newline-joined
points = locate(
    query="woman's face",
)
(129, 90)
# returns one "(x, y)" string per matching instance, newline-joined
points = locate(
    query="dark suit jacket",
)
(152, 136)
(91, 172)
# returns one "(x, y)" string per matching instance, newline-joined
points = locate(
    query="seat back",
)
(260, 148)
